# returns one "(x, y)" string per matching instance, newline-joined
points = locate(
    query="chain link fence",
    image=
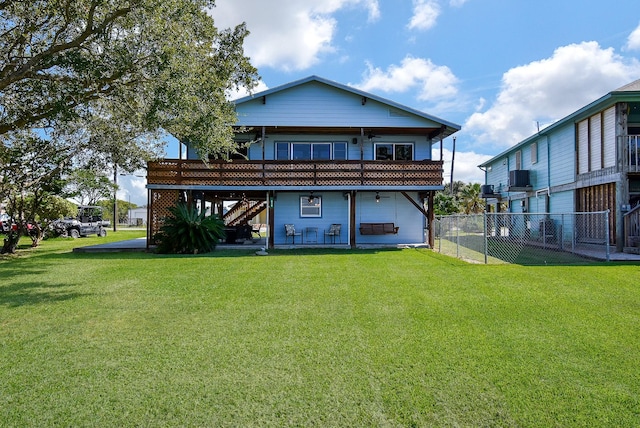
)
(524, 238)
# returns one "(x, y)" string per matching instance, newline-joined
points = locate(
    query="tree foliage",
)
(142, 65)
(98, 84)
(88, 186)
(32, 171)
(466, 199)
(470, 200)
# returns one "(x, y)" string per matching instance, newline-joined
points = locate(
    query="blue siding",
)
(317, 104)
(539, 170)
(335, 209)
(562, 202)
(498, 175)
(392, 208)
(555, 164)
(563, 155)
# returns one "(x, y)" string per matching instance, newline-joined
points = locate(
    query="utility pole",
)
(453, 156)
(115, 197)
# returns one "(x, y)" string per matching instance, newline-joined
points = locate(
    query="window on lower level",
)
(393, 151)
(310, 206)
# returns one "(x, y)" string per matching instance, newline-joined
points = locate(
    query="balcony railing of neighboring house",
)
(631, 143)
(295, 173)
(632, 227)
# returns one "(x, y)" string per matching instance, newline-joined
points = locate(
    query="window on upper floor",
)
(393, 151)
(534, 153)
(519, 159)
(311, 151)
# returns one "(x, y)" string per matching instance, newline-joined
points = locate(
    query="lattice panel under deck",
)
(161, 201)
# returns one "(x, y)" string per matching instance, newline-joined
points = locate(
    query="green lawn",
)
(314, 338)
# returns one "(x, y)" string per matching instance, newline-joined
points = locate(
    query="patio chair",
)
(332, 233)
(290, 231)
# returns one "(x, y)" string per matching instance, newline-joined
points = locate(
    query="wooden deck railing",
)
(632, 227)
(295, 173)
(631, 147)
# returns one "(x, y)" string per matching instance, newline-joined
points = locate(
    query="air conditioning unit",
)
(486, 191)
(519, 178)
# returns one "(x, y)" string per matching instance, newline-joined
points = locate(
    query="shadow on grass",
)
(33, 293)
(217, 253)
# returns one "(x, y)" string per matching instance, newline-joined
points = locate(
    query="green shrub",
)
(187, 231)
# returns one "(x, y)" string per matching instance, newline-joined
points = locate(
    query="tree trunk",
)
(36, 234)
(10, 243)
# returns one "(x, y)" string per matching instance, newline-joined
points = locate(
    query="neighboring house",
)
(320, 153)
(587, 162)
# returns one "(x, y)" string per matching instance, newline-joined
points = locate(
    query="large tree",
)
(147, 64)
(102, 81)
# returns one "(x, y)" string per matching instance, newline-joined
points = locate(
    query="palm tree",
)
(470, 200)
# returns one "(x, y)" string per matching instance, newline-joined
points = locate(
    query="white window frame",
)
(331, 144)
(393, 150)
(310, 209)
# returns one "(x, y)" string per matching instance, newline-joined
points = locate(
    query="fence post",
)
(606, 234)
(486, 240)
(457, 238)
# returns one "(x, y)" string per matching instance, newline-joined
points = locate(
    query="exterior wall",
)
(317, 104)
(498, 175)
(562, 202)
(562, 156)
(335, 209)
(392, 208)
(536, 163)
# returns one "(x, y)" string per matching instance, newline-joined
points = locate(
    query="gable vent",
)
(397, 113)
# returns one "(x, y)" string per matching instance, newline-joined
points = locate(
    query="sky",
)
(501, 69)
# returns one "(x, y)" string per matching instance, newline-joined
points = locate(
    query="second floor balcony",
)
(278, 174)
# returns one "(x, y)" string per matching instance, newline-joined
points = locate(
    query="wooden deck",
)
(272, 174)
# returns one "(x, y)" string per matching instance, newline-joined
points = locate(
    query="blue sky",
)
(498, 68)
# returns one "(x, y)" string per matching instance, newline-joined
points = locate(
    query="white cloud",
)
(243, 92)
(547, 90)
(287, 34)
(465, 165)
(633, 41)
(425, 14)
(432, 82)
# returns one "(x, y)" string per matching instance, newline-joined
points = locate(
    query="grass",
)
(314, 338)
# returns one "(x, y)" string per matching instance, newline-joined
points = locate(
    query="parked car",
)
(7, 224)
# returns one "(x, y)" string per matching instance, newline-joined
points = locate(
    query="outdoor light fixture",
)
(377, 196)
(311, 197)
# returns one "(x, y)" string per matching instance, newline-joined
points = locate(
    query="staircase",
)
(632, 231)
(242, 212)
